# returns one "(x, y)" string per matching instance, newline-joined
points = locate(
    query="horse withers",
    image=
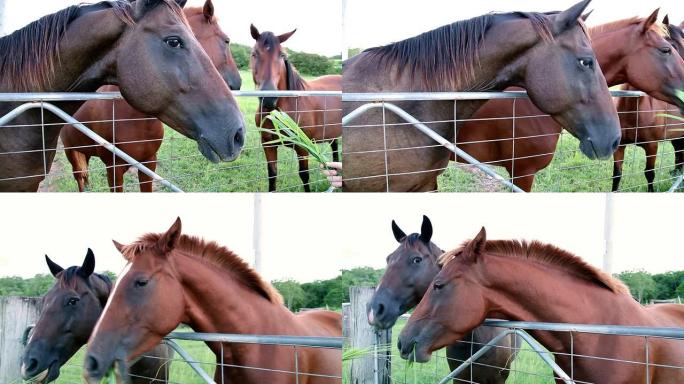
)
(136, 133)
(410, 270)
(70, 310)
(320, 117)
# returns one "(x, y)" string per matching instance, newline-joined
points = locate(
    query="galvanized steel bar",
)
(299, 341)
(433, 135)
(427, 96)
(618, 330)
(92, 135)
(485, 348)
(544, 355)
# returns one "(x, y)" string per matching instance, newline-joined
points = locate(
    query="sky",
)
(313, 236)
(376, 22)
(318, 23)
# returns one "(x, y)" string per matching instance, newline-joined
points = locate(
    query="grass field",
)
(571, 171)
(181, 163)
(527, 368)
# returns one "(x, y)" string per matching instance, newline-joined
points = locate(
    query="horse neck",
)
(611, 51)
(217, 302)
(520, 290)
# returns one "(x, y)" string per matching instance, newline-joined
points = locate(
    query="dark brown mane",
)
(546, 254)
(659, 28)
(295, 82)
(445, 58)
(30, 55)
(215, 254)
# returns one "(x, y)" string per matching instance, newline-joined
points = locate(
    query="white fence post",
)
(363, 336)
(608, 235)
(16, 313)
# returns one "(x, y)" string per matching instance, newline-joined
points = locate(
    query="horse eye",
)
(586, 63)
(72, 301)
(438, 286)
(174, 42)
(140, 283)
(417, 260)
(666, 50)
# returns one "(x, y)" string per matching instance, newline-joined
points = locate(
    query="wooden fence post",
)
(346, 308)
(16, 313)
(363, 336)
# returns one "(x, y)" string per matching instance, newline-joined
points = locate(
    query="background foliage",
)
(309, 64)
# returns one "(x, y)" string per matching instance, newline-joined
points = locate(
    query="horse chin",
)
(208, 151)
(50, 374)
(588, 148)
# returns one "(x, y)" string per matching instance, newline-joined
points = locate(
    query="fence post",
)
(346, 308)
(363, 336)
(16, 313)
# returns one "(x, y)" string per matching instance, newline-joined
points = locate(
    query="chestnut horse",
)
(320, 117)
(144, 47)
(631, 50)
(643, 124)
(69, 312)
(548, 54)
(537, 282)
(172, 278)
(138, 134)
(410, 270)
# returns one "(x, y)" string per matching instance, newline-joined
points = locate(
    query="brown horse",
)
(172, 279)
(631, 50)
(144, 47)
(138, 134)
(69, 312)
(409, 273)
(643, 124)
(537, 282)
(548, 54)
(320, 117)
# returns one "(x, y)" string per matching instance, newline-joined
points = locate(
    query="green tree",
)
(292, 292)
(640, 283)
(241, 55)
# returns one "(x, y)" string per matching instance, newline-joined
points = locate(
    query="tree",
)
(640, 283)
(292, 292)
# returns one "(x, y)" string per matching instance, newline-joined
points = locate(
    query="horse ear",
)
(283, 38)
(650, 21)
(666, 20)
(569, 17)
(55, 269)
(169, 240)
(586, 15)
(119, 247)
(426, 230)
(208, 9)
(476, 246)
(399, 235)
(254, 31)
(88, 266)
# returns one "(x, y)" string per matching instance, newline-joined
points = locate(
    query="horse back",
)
(321, 322)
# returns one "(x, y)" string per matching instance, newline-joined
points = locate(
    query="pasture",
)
(182, 164)
(571, 171)
(528, 368)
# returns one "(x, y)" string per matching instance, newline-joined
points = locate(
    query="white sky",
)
(376, 22)
(318, 23)
(337, 231)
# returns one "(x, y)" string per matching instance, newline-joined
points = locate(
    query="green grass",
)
(182, 163)
(71, 372)
(571, 171)
(527, 368)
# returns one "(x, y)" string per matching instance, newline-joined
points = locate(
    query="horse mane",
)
(30, 55)
(658, 27)
(295, 82)
(213, 253)
(549, 255)
(447, 56)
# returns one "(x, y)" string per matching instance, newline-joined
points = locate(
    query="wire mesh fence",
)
(188, 359)
(524, 360)
(508, 145)
(172, 157)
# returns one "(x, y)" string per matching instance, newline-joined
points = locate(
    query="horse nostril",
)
(616, 144)
(32, 365)
(239, 138)
(399, 345)
(381, 309)
(91, 364)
